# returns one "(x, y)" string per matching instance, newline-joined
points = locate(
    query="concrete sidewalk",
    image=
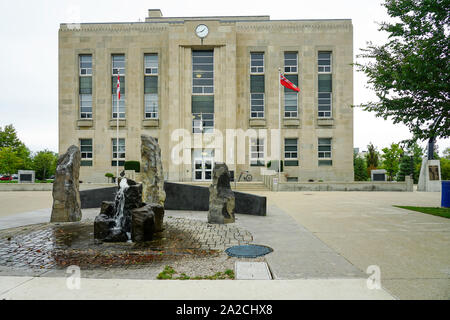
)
(315, 289)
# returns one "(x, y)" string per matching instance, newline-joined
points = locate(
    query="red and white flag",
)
(286, 83)
(118, 87)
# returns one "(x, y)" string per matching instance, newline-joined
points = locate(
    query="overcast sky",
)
(29, 55)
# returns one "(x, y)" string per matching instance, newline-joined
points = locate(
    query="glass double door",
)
(203, 165)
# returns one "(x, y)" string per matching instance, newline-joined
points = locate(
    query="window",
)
(290, 152)
(85, 86)
(257, 157)
(203, 72)
(324, 105)
(85, 106)
(324, 85)
(290, 62)
(118, 68)
(118, 64)
(121, 110)
(151, 107)
(151, 64)
(85, 64)
(86, 152)
(324, 148)
(290, 105)
(257, 62)
(118, 154)
(324, 61)
(203, 123)
(257, 105)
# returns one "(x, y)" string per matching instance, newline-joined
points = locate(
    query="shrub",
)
(132, 165)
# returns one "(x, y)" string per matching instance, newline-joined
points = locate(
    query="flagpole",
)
(279, 126)
(117, 128)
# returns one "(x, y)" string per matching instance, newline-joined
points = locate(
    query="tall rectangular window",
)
(324, 61)
(86, 152)
(202, 91)
(118, 152)
(257, 153)
(291, 98)
(151, 105)
(118, 69)
(290, 62)
(257, 62)
(151, 64)
(203, 72)
(324, 152)
(325, 89)
(85, 86)
(291, 151)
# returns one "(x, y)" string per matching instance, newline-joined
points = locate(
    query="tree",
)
(391, 159)
(446, 153)
(9, 160)
(406, 167)
(417, 153)
(410, 74)
(8, 138)
(44, 163)
(359, 168)
(445, 168)
(372, 158)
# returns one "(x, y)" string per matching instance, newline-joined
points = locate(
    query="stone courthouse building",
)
(198, 75)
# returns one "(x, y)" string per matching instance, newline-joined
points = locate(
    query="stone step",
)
(252, 271)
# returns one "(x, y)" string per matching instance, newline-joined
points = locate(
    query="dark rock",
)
(107, 208)
(102, 226)
(158, 210)
(142, 224)
(221, 197)
(116, 235)
(66, 195)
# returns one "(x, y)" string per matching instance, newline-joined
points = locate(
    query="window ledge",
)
(325, 122)
(291, 122)
(85, 123)
(113, 123)
(150, 122)
(255, 122)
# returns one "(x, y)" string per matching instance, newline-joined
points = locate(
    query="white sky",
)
(29, 55)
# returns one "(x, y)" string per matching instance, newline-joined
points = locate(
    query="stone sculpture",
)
(152, 175)
(221, 197)
(66, 195)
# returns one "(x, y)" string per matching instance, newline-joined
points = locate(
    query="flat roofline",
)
(182, 21)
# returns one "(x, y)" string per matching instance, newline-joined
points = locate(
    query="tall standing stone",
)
(152, 175)
(221, 197)
(66, 194)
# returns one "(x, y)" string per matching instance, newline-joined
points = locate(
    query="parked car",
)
(6, 178)
(15, 177)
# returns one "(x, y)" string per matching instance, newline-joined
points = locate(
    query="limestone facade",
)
(232, 41)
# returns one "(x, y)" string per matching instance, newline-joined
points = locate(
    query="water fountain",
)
(127, 218)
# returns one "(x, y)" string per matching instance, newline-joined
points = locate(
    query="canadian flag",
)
(286, 83)
(118, 87)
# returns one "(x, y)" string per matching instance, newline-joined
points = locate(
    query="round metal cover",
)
(248, 251)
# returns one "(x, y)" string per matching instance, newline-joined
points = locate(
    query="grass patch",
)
(440, 212)
(170, 274)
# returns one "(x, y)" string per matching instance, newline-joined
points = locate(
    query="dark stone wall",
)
(181, 197)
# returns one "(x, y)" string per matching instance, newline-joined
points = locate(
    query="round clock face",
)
(201, 30)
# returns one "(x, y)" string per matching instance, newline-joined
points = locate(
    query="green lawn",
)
(441, 212)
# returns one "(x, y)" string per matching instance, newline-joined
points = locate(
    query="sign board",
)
(433, 172)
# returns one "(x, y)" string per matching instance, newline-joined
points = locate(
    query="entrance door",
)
(203, 161)
(203, 169)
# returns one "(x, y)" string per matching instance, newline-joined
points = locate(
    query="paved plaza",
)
(323, 242)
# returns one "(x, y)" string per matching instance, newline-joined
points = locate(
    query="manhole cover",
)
(248, 251)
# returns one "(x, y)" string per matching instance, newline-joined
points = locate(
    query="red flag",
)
(118, 87)
(286, 83)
